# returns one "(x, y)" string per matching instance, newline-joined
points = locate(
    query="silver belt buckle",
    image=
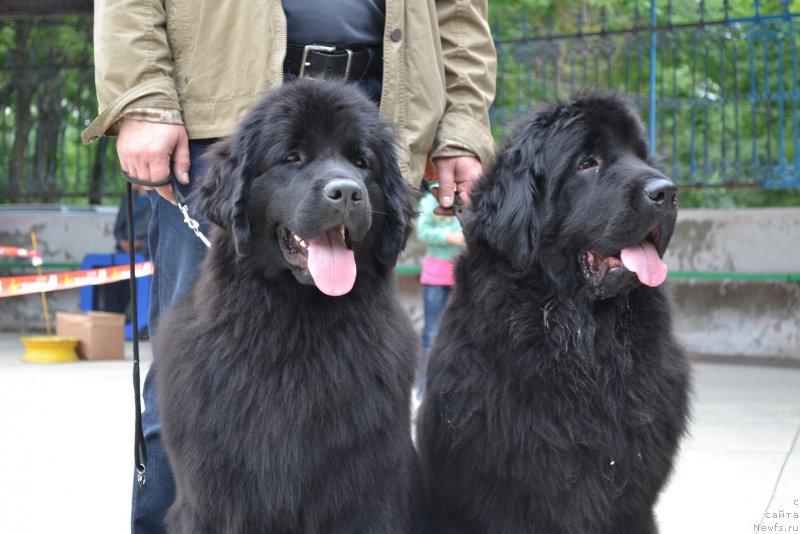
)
(321, 48)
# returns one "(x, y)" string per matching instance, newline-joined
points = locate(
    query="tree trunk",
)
(24, 84)
(98, 171)
(48, 129)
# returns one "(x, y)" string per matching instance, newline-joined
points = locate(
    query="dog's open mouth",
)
(642, 258)
(328, 258)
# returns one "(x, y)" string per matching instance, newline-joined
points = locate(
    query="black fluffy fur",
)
(555, 406)
(285, 410)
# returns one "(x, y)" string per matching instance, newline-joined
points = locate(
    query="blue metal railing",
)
(716, 85)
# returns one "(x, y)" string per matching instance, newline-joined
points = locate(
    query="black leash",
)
(140, 450)
(193, 225)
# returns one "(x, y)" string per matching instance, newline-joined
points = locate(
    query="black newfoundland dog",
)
(557, 393)
(284, 377)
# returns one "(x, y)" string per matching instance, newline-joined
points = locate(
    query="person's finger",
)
(439, 210)
(158, 167)
(167, 194)
(124, 161)
(160, 171)
(122, 154)
(468, 171)
(140, 170)
(149, 169)
(143, 172)
(464, 188)
(180, 159)
(445, 169)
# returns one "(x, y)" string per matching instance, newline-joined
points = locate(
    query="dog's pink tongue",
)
(644, 261)
(331, 264)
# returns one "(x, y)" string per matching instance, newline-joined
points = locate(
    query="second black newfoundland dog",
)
(284, 377)
(557, 393)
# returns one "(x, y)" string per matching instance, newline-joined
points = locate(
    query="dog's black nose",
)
(343, 191)
(662, 194)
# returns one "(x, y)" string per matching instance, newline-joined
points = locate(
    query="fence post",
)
(653, 46)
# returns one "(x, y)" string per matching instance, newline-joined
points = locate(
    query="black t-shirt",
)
(335, 22)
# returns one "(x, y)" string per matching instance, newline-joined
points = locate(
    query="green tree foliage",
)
(46, 98)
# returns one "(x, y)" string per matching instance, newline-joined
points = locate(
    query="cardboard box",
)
(101, 334)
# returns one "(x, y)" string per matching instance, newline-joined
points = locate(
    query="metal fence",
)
(46, 98)
(716, 83)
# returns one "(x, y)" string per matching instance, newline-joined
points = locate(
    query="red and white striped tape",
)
(12, 286)
(36, 260)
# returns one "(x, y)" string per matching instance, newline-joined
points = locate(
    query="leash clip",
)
(193, 225)
(140, 478)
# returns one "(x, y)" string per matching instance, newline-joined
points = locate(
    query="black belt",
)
(318, 61)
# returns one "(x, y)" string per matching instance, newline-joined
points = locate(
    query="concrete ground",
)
(66, 449)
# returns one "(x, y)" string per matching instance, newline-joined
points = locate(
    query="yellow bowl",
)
(50, 349)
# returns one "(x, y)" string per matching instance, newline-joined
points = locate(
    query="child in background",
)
(443, 237)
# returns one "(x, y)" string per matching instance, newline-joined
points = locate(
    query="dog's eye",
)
(291, 157)
(587, 163)
(361, 163)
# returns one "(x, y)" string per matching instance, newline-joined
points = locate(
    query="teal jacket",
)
(433, 230)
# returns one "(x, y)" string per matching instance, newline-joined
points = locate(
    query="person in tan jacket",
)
(174, 76)
(201, 65)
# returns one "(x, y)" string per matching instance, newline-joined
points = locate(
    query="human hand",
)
(125, 247)
(456, 175)
(145, 148)
(456, 238)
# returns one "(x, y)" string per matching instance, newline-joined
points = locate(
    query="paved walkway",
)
(66, 449)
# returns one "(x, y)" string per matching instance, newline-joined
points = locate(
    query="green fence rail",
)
(414, 270)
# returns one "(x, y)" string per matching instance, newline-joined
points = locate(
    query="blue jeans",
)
(176, 253)
(435, 299)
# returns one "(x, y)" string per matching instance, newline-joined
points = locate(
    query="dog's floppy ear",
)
(222, 193)
(505, 211)
(399, 201)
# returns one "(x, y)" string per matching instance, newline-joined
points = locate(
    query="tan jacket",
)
(212, 59)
